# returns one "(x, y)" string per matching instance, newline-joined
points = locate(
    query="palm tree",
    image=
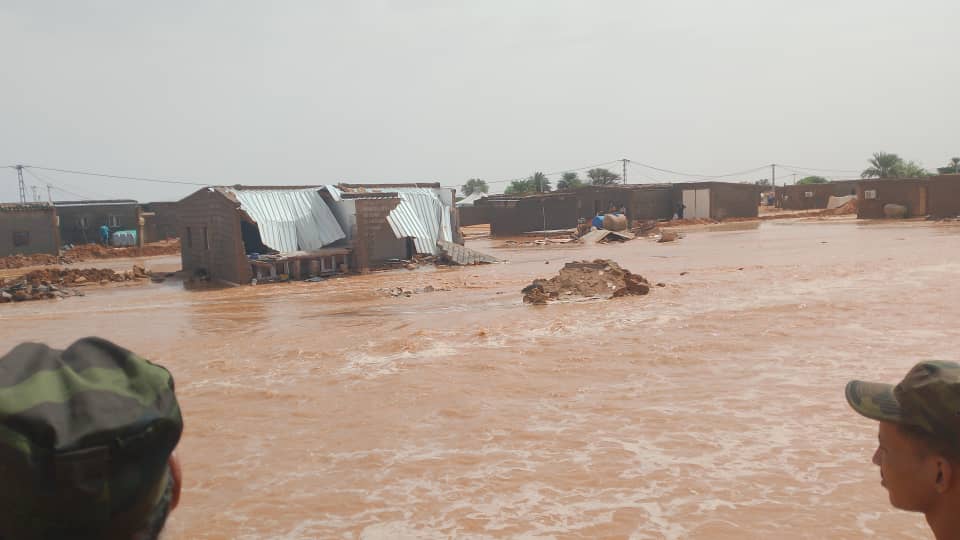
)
(518, 187)
(882, 165)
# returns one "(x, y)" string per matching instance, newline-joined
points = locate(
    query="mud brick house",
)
(240, 233)
(80, 221)
(718, 200)
(512, 215)
(160, 221)
(26, 229)
(813, 196)
(937, 196)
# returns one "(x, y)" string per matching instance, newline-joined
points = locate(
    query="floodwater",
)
(712, 408)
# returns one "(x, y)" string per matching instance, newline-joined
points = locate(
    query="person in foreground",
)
(86, 443)
(919, 450)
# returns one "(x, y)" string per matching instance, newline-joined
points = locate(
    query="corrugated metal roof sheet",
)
(290, 219)
(421, 215)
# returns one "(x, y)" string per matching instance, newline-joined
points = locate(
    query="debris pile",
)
(400, 291)
(39, 259)
(601, 278)
(57, 282)
(82, 252)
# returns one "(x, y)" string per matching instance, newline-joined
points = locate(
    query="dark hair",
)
(946, 446)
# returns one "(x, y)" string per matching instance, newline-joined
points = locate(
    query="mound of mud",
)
(601, 278)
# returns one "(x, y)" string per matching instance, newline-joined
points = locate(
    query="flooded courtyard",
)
(711, 408)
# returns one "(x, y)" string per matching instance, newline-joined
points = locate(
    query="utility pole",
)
(794, 178)
(49, 194)
(773, 175)
(624, 160)
(23, 189)
(36, 193)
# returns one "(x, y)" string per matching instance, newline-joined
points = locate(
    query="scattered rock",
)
(661, 284)
(668, 236)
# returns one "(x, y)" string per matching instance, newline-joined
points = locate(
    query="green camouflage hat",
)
(85, 436)
(927, 398)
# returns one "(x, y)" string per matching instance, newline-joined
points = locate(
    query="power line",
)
(58, 188)
(818, 169)
(698, 176)
(119, 177)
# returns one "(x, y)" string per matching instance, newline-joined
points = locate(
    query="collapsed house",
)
(241, 233)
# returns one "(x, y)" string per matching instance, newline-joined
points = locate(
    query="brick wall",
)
(907, 192)
(39, 226)
(210, 237)
(374, 240)
(81, 224)
(163, 224)
(943, 196)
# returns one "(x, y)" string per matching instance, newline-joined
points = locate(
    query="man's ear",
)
(944, 475)
(177, 480)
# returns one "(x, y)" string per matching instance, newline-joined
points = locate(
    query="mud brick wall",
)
(943, 196)
(163, 225)
(72, 230)
(210, 237)
(907, 192)
(474, 215)
(794, 197)
(39, 225)
(374, 240)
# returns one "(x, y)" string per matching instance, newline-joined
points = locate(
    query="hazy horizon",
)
(320, 92)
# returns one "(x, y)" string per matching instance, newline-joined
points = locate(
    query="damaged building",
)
(240, 233)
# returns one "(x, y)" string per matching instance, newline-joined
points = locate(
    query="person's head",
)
(918, 449)
(86, 442)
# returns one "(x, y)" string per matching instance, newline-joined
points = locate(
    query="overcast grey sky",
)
(287, 92)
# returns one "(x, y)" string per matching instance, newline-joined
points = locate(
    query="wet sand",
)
(712, 408)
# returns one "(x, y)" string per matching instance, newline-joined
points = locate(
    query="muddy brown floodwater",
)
(712, 408)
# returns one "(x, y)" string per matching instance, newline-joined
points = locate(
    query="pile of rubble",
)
(601, 278)
(39, 259)
(61, 282)
(401, 291)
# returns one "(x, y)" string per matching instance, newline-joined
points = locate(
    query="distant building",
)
(512, 215)
(813, 196)
(160, 221)
(27, 229)
(240, 233)
(937, 196)
(80, 221)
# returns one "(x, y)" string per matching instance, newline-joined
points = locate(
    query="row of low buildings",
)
(512, 215)
(935, 196)
(45, 227)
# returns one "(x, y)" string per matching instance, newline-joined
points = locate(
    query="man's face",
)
(907, 470)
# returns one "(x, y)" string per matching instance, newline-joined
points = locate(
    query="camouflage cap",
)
(927, 398)
(85, 436)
